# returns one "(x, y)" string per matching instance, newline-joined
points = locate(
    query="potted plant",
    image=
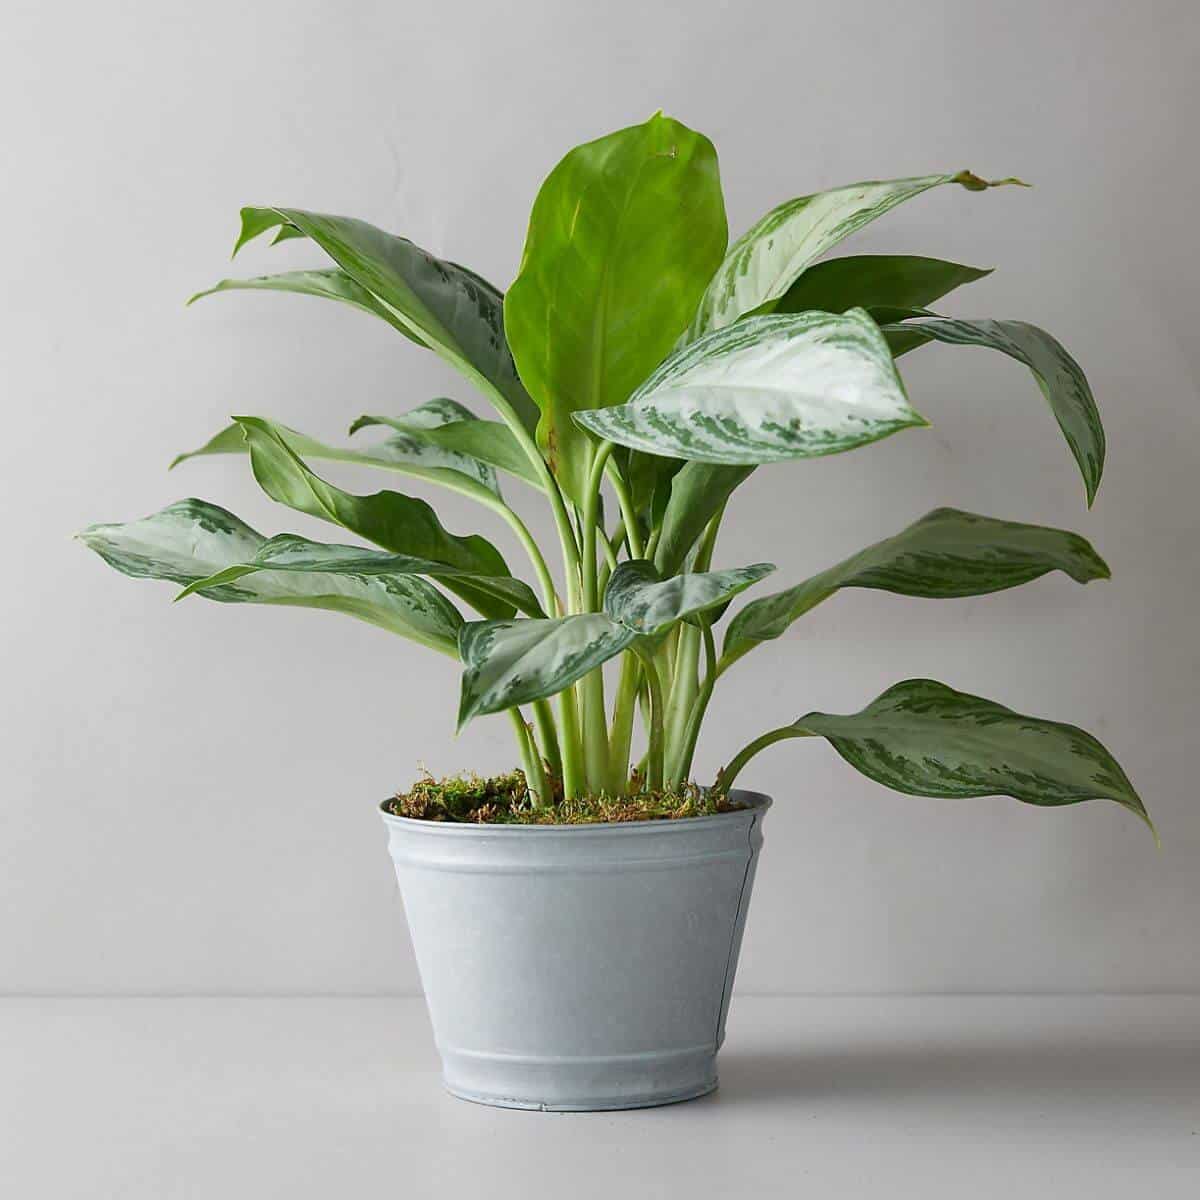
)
(577, 923)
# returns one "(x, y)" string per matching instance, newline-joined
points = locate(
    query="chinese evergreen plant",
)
(635, 349)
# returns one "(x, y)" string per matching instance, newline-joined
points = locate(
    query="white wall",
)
(189, 790)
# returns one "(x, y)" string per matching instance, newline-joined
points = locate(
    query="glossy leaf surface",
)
(511, 662)
(768, 259)
(1058, 375)
(946, 554)
(639, 598)
(191, 541)
(625, 233)
(926, 739)
(766, 390)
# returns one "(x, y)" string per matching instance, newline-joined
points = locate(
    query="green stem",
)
(685, 688)
(624, 711)
(727, 774)
(535, 776)
(655, 754)
(545, 579)
(628, 515)
(574, 782)
(681, 766)
(595, 727)
(543, 716)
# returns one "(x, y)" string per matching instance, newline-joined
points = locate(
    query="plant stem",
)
(595, 727)
(628, 515)
(624, 711)
(727, 774)
(685, 687)
(574, 783)
(543, 716)
(681, 766)
(535, 776)
(655, 754)
(545, 579)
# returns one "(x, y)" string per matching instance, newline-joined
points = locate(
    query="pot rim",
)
(753, 804)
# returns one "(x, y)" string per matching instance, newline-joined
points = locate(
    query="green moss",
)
(504, 800)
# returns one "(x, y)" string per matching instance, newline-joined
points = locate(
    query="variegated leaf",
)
(330, 283)
(451, 309)
(1059, 376)
(639, 598)
(875, 281)
(766, 260)
(510, 662)
(768, 389)
(288, 552)
(192, 541)
(416, 453)
(945, 554)
(490, 442)
(624, 234)
(401, 524)
(926, 739)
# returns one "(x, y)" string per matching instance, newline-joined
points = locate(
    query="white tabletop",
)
(332, 1098)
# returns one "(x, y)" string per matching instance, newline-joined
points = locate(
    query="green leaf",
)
(490, 442)
(1059, 376)
(454, 311)
(191, 541)
(945, 554)
(697, 493)
(288, 552)
(926, 739)
(328, 284)
(624, 235)
(416, 453)
(401, 524)
(766, 260)
(510, 662)
(768, 389)
(875, 281)
(639, 598)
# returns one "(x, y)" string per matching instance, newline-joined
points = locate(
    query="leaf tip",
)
(973, 182)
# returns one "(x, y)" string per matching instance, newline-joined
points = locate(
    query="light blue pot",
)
(579, 967)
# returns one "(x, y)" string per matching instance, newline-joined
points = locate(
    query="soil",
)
(505, 800)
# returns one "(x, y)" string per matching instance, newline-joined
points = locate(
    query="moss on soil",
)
(505, 800)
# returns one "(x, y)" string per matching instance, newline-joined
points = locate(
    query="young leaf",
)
(288, 552)
(945, 554)
(1059, 376)
(401, 524)
(510, 662)
(192, 541)
(328, 284)
(639, 598)
(766, 260)
(454, 311)
(624, 235)
(924, 738)
(768, 389)
(415, 453)
(874, 281)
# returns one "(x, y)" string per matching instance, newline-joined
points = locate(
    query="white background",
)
(189, 791)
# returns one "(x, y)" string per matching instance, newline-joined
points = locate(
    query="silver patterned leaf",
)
(289, 552)
(639, 598)
(926, 739)
(947, 553)
(1059, 376)
(191, 541)
(330, 283)
(766, 260)
(766, 390)
(510, 662)
(451, 309)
